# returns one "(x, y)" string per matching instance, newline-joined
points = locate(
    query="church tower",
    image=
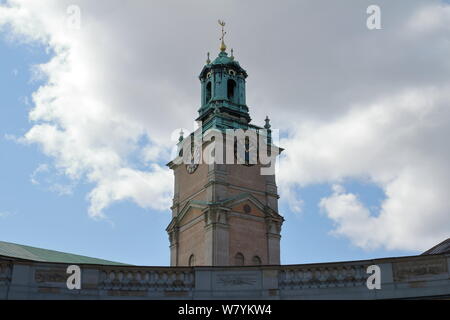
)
(225, 206)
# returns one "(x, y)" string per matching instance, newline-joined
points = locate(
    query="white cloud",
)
(294, 202)
(147, 189)
(395, 135)
(11, 137)
(351, 217)
(4, 214)
(62, 189)
(43, 167)
(80, 117)
(356, 103)
(398, 143)
(430, 19)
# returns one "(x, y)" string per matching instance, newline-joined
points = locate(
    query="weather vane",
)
(223, 47)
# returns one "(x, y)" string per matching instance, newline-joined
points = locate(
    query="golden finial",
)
(208, 61)
(223, 47)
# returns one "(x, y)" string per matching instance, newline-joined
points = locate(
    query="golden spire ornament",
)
(223, 47)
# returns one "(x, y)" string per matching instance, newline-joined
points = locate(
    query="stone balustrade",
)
(306, 277)
(145, 279)
(402, 277)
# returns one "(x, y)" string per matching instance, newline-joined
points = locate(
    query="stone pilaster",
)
(173, 239)
(273, 240)
(216, 236)
(271, 193)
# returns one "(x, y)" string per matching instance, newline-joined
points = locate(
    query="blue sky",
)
(34, 215)
(53, 212)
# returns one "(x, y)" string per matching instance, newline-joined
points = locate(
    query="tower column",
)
(273, 241)
(216, 236)
(173, 239)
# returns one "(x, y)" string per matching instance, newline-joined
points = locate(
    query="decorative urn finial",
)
(180, 138)
(267, 125)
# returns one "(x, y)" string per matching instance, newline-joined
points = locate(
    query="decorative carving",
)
(240, 280)
(53, 275)
(322, 277)
(215, 215)
(173, 236)
(145, 280)
(273, 226)
(420, 269)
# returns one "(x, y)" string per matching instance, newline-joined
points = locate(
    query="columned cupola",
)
(223, 103)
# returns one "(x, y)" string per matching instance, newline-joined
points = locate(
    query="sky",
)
(93, 94)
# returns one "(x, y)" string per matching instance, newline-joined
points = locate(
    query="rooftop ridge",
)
(14, 250)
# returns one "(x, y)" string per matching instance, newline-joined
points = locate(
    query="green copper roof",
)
(37, 254)
(223, 58)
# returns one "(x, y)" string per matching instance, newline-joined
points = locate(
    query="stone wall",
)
(404, 277)
(192, 239)
(248, 237)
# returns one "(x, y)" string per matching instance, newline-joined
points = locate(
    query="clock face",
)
(191, 167)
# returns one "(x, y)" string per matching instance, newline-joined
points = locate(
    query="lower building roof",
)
(440, 248)
(19, 251)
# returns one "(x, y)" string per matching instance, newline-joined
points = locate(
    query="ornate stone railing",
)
(305, 277)
(402, 277)
(145, 279)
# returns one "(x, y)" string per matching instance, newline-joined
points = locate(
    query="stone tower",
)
(225, 209)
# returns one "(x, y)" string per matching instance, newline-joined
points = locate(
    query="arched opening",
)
(231, 88)
(239, 259)
(208, 92)
(191, 260)
(256, 261)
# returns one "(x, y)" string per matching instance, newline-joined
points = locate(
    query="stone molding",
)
(402, 277)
